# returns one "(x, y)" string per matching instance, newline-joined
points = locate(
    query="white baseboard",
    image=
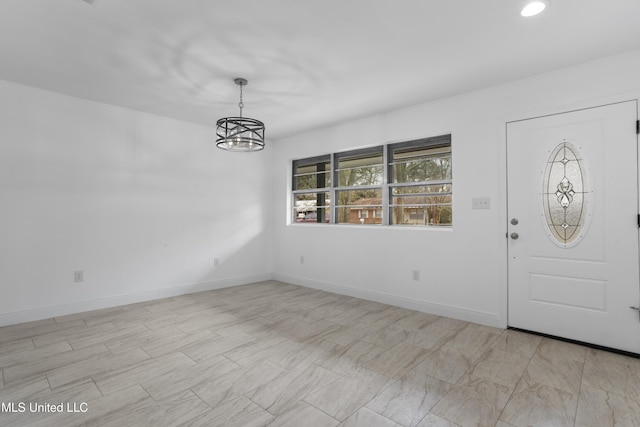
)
(119, 300)
(474, 316)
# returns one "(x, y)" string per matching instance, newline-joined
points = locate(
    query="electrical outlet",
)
(301, 259)
(415, 275)
(216, 262)
(78, 276)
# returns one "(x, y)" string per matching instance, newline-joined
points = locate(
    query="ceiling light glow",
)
(533, 8)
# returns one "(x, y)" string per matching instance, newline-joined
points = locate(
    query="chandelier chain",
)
(241, 104)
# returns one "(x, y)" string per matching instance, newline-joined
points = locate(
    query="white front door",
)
(573, 225)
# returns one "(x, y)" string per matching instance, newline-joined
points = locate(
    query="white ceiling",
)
(309, 63)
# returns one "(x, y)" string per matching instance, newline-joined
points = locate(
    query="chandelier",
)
(240, 133)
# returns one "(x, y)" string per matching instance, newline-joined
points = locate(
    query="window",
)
(311, 190)
(566, 195)
(420, 182)
(359, 175)
(407, 183)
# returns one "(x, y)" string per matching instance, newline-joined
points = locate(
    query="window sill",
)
(433, 228)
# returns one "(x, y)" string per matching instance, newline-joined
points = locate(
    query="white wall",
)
(463, 270)
(142, 204)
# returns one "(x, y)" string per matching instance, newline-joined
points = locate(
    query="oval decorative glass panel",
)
(566, 196)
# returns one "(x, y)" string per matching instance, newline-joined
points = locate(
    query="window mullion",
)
(421, 183)
(359, 187)
(385, 186)
(311, 190)
(332, 194)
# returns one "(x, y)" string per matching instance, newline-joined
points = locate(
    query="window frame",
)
(362, 153)
(442, 141)
(309, 161)
(386, 184)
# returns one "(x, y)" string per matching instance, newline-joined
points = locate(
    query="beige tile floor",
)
(276, 354)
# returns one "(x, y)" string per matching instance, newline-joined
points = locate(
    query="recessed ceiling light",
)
(533, 8)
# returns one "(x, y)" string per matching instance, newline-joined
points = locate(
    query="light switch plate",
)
(481, 203)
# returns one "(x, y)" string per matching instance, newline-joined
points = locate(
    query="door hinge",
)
(638, 220)
(637, 127)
